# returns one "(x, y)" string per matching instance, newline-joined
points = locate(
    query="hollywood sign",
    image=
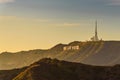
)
(71, 48)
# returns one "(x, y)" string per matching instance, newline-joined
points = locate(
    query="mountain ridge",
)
(54, 69)
(94, 53)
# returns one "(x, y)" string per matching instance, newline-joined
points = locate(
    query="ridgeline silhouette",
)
(103, 53)
(53, 69)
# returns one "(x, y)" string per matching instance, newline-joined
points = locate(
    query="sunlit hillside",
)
(94, 53)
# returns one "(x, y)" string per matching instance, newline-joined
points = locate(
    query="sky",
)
(41, 24)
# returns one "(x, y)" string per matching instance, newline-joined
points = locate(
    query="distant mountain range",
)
(53, 69)
(102, 53)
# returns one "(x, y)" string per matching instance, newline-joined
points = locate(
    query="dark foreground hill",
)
(103, 53)
(53, 69)
(10, 74)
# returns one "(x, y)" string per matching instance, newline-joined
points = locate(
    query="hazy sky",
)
(41, 24)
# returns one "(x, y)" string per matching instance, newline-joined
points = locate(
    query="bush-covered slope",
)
(10, 74)
(53, 69)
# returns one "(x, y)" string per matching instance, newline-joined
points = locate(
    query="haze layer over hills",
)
(93, 53)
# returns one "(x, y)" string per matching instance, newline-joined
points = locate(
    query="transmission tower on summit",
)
(95, 37)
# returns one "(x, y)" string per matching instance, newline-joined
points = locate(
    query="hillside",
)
(53, 69)
(101, 53)
(10, 74)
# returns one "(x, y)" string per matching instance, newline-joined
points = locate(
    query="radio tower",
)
(96, 33)
(95, 37)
